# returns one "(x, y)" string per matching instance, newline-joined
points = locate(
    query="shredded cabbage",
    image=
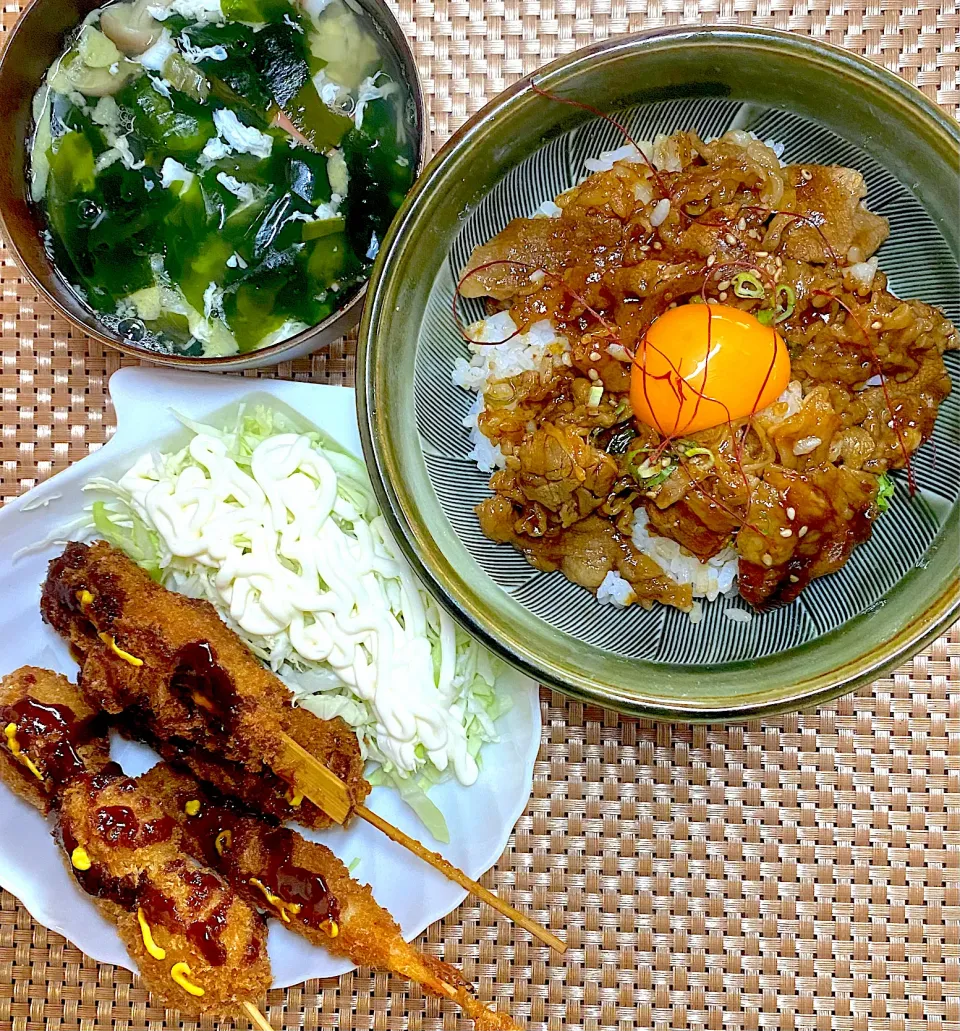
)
(463, 671)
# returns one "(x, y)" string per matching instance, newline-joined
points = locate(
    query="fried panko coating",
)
(50, 734)
(330, 741)
(200, 947)
(191, 680)
(305, 885)
(169, 654)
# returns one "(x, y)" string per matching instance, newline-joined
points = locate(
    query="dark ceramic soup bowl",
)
(37, 39)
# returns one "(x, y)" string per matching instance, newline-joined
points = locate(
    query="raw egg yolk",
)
(702, 365)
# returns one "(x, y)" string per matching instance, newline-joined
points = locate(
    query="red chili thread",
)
(540, 91)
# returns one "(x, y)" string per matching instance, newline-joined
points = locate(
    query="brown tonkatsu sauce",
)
(294, 883)
(119, 825)
(204, 683)
(51, 734)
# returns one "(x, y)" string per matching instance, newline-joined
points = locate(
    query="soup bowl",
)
(35, 42)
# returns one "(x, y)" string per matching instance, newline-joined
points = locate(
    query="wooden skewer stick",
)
(258, 1020)
(456, 874)
(327, 791)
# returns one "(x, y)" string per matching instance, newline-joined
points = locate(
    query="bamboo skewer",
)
(456, 874)
(258, 1020)
(327, 791)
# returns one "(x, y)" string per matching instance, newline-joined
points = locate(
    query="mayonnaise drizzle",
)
(292, 560)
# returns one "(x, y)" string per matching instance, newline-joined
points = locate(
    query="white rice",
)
(615, 591)
(523, 352)
(608, 158)
(659, 214)
(738, 615)
(707, 579)
(548, 209)
(486, 454)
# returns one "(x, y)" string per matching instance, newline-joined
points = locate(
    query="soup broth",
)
(217, 175)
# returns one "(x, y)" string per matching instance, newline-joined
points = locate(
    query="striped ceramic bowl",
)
(824, 106)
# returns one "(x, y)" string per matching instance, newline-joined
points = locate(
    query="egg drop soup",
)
(216, 175)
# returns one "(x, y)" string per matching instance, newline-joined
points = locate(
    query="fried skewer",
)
(159, 818)
(306, 886)
(192, 935)
(193, 683)
(200, 947)
(50, 735)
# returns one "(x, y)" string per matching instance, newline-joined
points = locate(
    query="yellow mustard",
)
(117, 650)
(10, 733)
(151, 946)
(180, 972)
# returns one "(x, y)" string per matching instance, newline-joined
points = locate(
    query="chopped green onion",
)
(885, 491)
(354, 863)
(765, 316)
(747, 285)
(323, 227)
(620, 441)
(644, 473)
(596, 396)
(693, 452)
(784, 307)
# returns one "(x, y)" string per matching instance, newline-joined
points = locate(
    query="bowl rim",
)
(852, 673)
(343, 319)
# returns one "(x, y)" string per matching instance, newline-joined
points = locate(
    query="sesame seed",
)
(730, 238)
(794, 579)
(762, 254)
(768, 560)
(779, 261)
(742, 224)
(723, 284)
(645, 248)
(785, 531)
(672, 304)
(791, 513)
(711, 260)
(595, 357)
(723, 295)
(593, 374)
(802, 532)
(658, 246)
(876, 325)
(712, 300)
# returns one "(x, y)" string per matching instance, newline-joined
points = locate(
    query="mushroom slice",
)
(131, 26)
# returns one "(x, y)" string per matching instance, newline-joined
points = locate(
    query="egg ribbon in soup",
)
(217, 175)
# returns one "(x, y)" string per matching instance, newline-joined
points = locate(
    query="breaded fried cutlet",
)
(304, 885)
(50, 734)
(200, 947)
(184, 679)
(330, 741)
(164, 652)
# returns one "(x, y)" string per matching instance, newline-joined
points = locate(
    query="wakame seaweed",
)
(219, 177)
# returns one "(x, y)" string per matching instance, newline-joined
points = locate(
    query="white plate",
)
(480, 818)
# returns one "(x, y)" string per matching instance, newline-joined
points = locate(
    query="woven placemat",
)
(796, 873)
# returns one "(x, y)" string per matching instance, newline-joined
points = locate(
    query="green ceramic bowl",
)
(824, 105)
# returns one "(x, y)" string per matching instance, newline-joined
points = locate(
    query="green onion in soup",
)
(217, 175)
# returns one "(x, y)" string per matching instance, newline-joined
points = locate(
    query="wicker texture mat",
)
(797, 873)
